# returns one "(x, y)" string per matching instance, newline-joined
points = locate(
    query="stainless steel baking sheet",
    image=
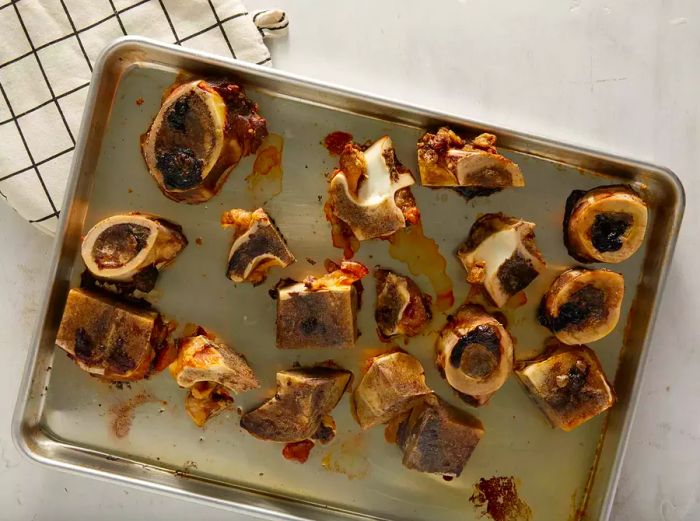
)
(64, 418)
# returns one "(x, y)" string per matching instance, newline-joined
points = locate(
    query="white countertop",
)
(622, 76)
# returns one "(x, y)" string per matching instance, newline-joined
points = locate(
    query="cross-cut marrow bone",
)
(500, 254)
(257, 246)
(605, 224)
(582, 305)
(110, 339)
(438, 438)
(304, 397)
(474, 352)
(445, 159)
(201, 132)
(129, 250)
(320, 312)
(370, 191)
(568, 384)
(392, 385)
(401, 307)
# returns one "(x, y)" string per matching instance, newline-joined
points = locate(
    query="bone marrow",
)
(605, 224)
(445, 159)
(370, 191)
(201, 132)
(212, 372)
(129, 250)
(568, 384)
(438, 438)
(298, 411)
(320, 312)
(582, 305)
(257, 247)
(474, 352)
(392, 385)
(401, 307)
(111, 339)
(500, 254)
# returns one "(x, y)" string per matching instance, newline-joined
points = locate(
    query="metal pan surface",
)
(66, 419)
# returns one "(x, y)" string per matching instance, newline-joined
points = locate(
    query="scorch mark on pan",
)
(122, 414)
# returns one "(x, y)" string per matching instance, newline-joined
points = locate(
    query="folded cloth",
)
(47, 54)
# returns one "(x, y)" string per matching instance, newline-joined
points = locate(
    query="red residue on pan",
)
(335, 142)
(123, 414)
(422, 256)
(348, 458)
(139, 101)
(198, 241)
(498, 498)
(298, 451)
(265, 181)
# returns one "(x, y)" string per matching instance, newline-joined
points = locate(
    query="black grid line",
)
(46, 217)
(170, 22)
(261, 62)
(38, 163)
(3, 6)
(26, 146)
(220, 23)
(77, 36)
(75, 33)
(116, 13)
(214, 26)
(47, 102)
(46, 79)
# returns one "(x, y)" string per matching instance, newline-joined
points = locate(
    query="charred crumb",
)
(310, 261)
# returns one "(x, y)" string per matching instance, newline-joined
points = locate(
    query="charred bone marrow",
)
(474, 352)
(131, 249)
(370, 191)
(568, 384)
(257, 246)
(445, 159)
(582, 305)
(199, 135)
(500, 254)
(605, 224)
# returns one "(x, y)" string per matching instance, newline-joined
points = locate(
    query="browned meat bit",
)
(568, 384)
(401, 309)
(370, 191)
(582, 305)
(474, 352)
(605, 224)
(111, 339)
(201, 132)
(438, 438)
(127, 251)
(257, 246)
(392, 385)
(320, 312)
(212, 372)
(445, 159)
(501, 255)
(304, 398)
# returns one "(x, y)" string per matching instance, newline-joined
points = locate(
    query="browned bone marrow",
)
(605, 224)
(392, 385)
(300, 407)
(212, 372)
(370, 192)
(110, 339)
(201, 132)
(472, 167)
(401, 307)
(438, 438)
(568, 384)
(128, 250)
(500, 254)
(474, 352)
(257, 247)
(582, 305)
(320, 312)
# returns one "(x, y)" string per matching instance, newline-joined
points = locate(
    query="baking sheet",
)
(551, 468)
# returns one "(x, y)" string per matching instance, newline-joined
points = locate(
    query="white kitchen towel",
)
(47, 51)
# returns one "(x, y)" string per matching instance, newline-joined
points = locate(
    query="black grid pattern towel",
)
(47, 51)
